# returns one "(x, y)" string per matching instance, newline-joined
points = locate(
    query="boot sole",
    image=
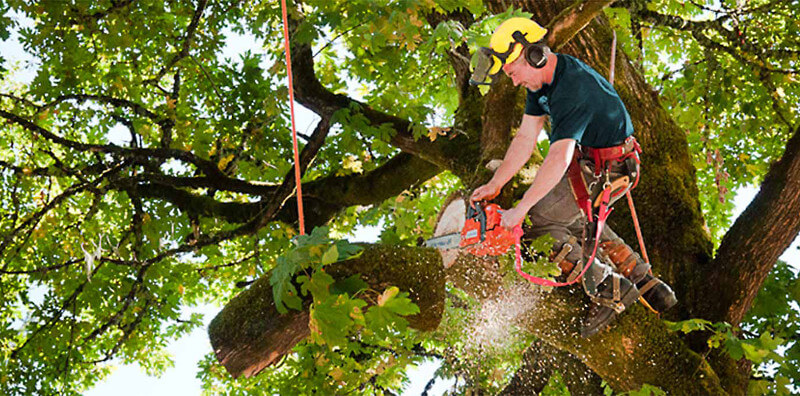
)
(629, 298)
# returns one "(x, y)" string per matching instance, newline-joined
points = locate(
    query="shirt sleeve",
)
(532, 106)
(573, 119)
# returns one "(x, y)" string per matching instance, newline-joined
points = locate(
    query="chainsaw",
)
(481, 235)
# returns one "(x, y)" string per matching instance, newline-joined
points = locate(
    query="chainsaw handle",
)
(479, 214)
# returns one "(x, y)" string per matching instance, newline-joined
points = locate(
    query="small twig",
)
(336, 38)
(208, 77)
(201, 271)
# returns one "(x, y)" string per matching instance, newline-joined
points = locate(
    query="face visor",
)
(489, 61)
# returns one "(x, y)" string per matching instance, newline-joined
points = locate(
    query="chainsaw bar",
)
(449, 241)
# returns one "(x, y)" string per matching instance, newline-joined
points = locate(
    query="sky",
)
(129, 380)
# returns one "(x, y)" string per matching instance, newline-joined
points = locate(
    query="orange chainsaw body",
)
(482, 233)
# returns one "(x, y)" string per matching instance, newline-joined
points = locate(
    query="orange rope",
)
(294, 130)
(636, 226)
(628, 193)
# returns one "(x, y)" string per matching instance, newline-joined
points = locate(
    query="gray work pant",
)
(558, 214)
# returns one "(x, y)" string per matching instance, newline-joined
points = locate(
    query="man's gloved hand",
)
(485, 192)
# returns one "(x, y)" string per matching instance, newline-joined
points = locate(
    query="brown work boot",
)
(614, 295)
(655, 292)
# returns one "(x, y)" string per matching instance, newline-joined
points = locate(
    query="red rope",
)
(638, 229)
(294, 130)
(601, 219)
(628, 193)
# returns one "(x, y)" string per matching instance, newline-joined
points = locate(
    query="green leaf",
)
(348, 250)
(350, 285)
(555, 386)
(330, 256)
(319, 285)
(688, 326)
(386, 318)
(734, 348)
(332, 319)
(281, 282)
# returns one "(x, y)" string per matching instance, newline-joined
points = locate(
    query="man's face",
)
(521, 73)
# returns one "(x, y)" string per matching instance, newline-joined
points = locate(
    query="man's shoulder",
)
(574, 68)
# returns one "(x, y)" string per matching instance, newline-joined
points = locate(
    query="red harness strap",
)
(575, 176)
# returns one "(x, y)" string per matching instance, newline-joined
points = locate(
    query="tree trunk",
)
(541, 361)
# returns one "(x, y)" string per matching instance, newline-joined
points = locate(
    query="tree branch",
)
(735, 40)
(564, 26)
(185, 45)
(751, 246)
(249, 334)
(313, 95)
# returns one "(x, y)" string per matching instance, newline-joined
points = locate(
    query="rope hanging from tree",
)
(627, 194)
(300, 219)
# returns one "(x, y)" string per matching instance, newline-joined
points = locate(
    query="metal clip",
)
(607, 183)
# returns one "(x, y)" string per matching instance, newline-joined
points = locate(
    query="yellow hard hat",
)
(507, 43)
(504, 41)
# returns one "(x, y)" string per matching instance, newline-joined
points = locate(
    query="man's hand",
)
(513, 217)
(485, 192)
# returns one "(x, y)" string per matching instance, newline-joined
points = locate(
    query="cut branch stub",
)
(451, 220)
(249, 334)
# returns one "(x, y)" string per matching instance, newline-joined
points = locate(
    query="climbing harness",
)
(596, 211)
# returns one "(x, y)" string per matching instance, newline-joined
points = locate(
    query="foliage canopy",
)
(146, 169)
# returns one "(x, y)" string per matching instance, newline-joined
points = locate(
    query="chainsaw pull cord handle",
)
(480, 215)
(482, 221)
(601, 220)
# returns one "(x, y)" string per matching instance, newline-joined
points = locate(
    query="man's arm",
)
(549, 174)
(552, 170)
(520, 150)
(517, 155)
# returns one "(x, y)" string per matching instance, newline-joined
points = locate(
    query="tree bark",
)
(541, 361)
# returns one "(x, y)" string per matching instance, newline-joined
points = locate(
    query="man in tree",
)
(592, 135)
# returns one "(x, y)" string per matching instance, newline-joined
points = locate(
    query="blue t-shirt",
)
(582, 105)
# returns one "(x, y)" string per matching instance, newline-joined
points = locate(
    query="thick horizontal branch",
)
(249, 334)
(325, 197)
(751, 246)
(322, 198)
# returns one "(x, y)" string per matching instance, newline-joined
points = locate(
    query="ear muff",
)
(536, 55)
